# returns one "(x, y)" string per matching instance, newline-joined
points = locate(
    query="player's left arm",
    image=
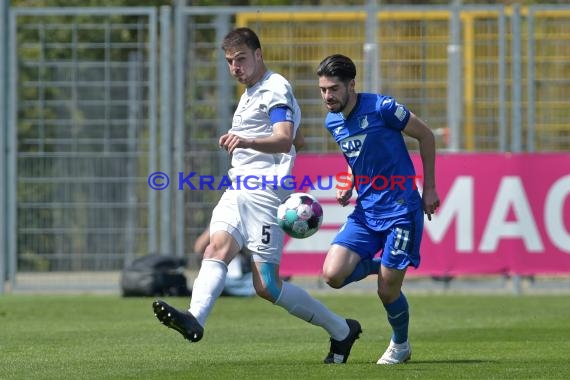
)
(417, 129)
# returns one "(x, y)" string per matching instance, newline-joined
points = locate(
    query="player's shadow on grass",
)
(451, 361)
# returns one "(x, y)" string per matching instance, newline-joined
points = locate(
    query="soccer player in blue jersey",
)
(388, 215)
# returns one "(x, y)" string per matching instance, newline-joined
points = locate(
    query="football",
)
(300, 215)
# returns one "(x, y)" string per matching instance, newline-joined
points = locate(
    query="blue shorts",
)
(398, 239)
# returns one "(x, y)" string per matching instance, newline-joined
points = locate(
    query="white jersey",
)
(251, 120)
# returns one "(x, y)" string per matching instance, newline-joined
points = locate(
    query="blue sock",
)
(399, 318)
(362, 270)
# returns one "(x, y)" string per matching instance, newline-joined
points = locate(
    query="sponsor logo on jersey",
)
(337, 130)
(351, 146)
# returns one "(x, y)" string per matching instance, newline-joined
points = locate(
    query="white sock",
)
(207, 288)
(302, 305)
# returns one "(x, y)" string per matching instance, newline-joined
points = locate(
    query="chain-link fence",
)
(100, 98)
(84, 128)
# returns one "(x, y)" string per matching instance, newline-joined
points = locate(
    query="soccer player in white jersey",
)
(260, 142)
(388, 215)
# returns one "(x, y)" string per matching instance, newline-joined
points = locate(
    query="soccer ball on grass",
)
(300, 215)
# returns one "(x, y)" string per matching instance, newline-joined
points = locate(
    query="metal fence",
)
(82, 138)
(99, 98)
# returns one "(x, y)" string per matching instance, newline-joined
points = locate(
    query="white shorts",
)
(250, 216)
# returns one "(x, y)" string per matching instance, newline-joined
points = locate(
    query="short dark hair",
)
(241, 36)
(337, 65)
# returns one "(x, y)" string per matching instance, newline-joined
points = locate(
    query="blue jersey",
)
(372, 142)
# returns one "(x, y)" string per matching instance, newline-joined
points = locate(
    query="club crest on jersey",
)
(364, 122)
(236, 122)
(351, 146)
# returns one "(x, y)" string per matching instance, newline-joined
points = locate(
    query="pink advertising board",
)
(499, 214)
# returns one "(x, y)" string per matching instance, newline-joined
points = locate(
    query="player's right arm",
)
(344, 194)
(280, 141)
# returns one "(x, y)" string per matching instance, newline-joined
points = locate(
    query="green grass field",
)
(453, 337)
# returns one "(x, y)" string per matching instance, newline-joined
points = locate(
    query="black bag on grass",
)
(155, 275)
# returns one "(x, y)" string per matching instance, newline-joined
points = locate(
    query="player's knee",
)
(332, 279)
(335, 284)
(213, 251)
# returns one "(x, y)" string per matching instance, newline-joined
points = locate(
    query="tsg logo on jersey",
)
(352, 145)
(364, 122)
(236, 122)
